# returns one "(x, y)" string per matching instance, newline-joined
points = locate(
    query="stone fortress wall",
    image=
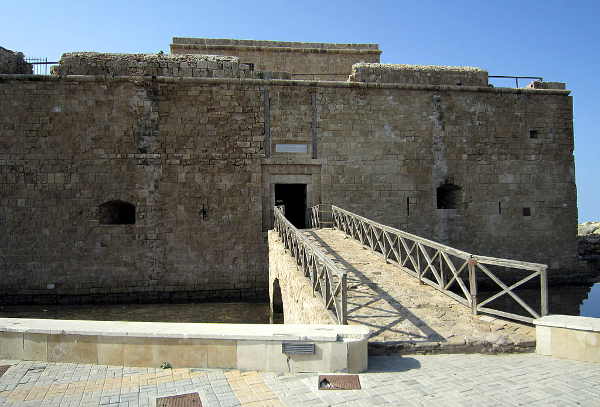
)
(12, 62)
(196, 157)
(304, 60)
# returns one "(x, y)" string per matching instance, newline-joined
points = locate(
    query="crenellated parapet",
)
(202, 66)
(419, 74)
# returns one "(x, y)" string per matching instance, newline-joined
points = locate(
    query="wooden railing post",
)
(473, 285)
(544, 291)
(343, 318)
(441, 271)
(419, 274)
(328, 289)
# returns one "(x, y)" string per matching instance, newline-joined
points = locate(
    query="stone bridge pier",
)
(290, 294)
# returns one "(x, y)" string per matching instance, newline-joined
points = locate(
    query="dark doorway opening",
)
(293, 197)
(448, 196)
(116, 213)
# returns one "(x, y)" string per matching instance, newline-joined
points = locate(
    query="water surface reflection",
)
(583, 300)
(591, 305)
(232, 313)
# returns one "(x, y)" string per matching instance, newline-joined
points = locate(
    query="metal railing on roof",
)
(516, 78)
(41, 66)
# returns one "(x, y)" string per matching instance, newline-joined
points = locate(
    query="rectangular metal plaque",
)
(3, 369)
(339, 382)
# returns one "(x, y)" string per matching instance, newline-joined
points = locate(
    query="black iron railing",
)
(41, 66)
(516, 78)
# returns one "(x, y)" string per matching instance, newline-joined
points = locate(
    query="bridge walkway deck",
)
(405, 316)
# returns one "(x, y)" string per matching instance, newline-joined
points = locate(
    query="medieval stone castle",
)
(153, 177)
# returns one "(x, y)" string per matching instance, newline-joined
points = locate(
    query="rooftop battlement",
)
(419, 74)
(204, 66)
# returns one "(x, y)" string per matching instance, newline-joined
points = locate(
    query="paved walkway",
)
(406, 316)
(421, 380)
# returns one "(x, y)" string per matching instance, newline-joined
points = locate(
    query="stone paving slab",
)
(407, 317)
(415, 380)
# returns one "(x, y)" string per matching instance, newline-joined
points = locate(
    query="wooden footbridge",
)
(390, 280)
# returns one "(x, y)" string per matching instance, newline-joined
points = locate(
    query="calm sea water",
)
(590, 307)
(232, 313)
(581, 300)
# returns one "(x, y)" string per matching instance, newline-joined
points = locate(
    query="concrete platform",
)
(569, 337)
(407, 317)
(150, 344)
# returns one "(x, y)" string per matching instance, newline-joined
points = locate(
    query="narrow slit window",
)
(526, 211)
(117, 213)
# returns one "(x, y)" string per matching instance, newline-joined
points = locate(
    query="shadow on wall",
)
(277, 304)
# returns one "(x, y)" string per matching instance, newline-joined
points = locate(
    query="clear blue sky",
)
(558, 40)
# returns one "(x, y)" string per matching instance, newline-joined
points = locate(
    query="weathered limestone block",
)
(219, 346)
(588, 241)
(12, 62)
(546, 85)
(568, 337)
(419, 74)
(204, 66)
(300, 306)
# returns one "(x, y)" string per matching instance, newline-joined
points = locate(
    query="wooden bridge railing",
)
(320, 216)
(326, 278)
(442, 266)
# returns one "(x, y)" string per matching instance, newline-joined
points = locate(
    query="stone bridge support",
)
(290, 292)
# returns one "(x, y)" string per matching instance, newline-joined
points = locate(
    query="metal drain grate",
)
(298, 348)
(3, 369)
(181, 400)
(339, 382)
(36, 369)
